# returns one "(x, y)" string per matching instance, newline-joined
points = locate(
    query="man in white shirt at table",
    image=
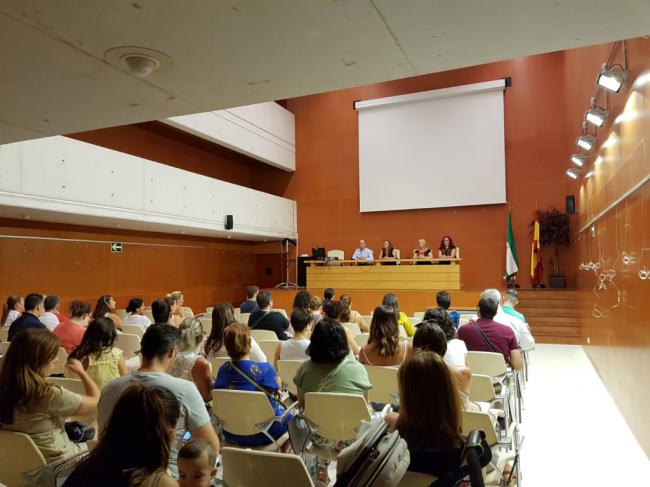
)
(363, 254)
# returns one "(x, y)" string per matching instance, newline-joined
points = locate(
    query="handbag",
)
(78, 432)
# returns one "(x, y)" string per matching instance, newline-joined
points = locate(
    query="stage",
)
(365, 301)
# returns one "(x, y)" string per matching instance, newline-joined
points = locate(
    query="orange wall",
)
(614, 312)
(326, 183)
(64, 262)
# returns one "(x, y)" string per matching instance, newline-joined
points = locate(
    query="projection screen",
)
(433, 149)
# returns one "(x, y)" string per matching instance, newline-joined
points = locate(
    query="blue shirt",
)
(248, 306)
(512, 312)
(263, 374)
(26, 321)
(455, 317)
(365, 253)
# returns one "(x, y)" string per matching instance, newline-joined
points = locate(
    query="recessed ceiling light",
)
(139, 61)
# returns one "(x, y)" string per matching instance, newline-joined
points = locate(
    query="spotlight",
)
(586, 142)
(589, 174)
(611, 79)
(578, 159)
(572, 173)
(596, 116)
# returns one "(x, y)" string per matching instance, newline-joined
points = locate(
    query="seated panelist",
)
(362, 254)
(422, 252)
(388, 253)
(447, 247)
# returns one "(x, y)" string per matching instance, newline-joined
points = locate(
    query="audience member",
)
(158, 353)
(456, 349)
(316, 307)
(402, 320)
(330, 368)
(12, 309)
(363, 253)
(243, 374)
(302, 299)
(336, 311)
(161, 312)
(486, 335)
(100, 358)
(266, 319)
(295, 348)
(135, 314)
(71, 331)
(190, 364)
(105, 308)
(175, 315)
(515, 320)
(447, 247)
(355, 316)
(50, 308)
(29, 318)
(384, 345)
(197, 464)
(328, 294)
(443, 299)
(510, 301)
(30, 405)
(250, 305)
(422, 251)
(135, 446)
(223, 315)
(429, 417)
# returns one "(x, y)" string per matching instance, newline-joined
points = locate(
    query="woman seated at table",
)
(447, 247)
(422, 251)
(387, 253)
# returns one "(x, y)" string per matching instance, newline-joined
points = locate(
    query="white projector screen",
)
(433, 149)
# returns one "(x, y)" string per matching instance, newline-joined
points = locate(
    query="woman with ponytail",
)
(190, 364)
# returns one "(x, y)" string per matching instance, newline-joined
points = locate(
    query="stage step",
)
(553, 314)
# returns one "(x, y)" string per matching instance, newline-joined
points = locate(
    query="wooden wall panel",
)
(76, 263)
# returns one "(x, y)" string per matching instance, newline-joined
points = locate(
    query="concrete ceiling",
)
(54, 78)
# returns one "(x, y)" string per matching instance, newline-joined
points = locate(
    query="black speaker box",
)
(229, 222)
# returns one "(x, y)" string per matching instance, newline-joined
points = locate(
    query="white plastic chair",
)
(186, 312)
(206, 323)
(384, 384)
(336, 254)
(287, 370)
(353, 327)
(416, 479)
(149, 314)
(268, 347)
(242, 468)
(121, 313)
(246, 413)
(18, 454)
(61, 359)
(216, 363)
(129, 344)
(243, 318)
(133, 330)
(262, 335)
(362, 339)
(415, 321)
(419, 315)
(4, 346)
(208, 311)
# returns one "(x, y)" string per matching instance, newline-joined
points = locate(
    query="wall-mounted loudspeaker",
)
(229, 222)
(570, 204)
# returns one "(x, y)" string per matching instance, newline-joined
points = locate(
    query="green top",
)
(512, 312)
(351, 378)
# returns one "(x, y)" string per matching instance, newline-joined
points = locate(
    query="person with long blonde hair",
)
(190, 364)
(429, 417)
(31, 405)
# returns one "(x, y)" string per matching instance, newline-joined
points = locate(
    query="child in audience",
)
(190, 364)
(295, 348)
(443, 299)
(197, 464)
(316, 307)
(135, 315)
(105, 308)
(12, 309)
(100, 358)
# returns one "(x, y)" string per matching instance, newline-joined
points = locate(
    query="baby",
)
(196, 464)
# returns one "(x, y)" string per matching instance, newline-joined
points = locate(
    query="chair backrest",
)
(261, 335)
(287, 370)
(367, 319)
(18, 454)
(353, 327)
(458, 252)
(4, 334)
(61, 359)
(337, 254)
(121, 313)
(129, 344)
(208, 310)
(242, 468)
(206, 323)
(240, 411)
(479, 421)
(243, 318)
(397, 253)
(419, 315)
(337, 416)
(133, 330)
(416, 479)
(281, 311)
(362, 339)
(384, 384)
(216, 363)
(415, 321)
(149, 314)
(4, 346)
(186, 312)
(481, 388)
(402, 331)
(269, 347)
(486, 363)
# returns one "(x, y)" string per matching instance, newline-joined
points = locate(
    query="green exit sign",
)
(117, 247)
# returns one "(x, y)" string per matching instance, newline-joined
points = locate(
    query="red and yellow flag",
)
(536, 268)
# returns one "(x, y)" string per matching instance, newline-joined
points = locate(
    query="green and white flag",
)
(512, 263)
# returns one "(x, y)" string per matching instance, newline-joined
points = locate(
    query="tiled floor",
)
(575, 434)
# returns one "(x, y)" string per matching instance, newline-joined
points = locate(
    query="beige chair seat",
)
(133, 330)
(269, 347)
(352, 328)
(18, 454)
(129, 344)
(287, 370)
(385, 388)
